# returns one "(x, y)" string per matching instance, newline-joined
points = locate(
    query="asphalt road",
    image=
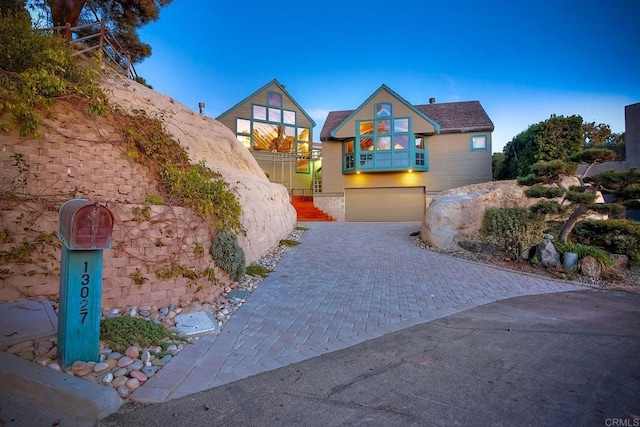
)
(547, 360)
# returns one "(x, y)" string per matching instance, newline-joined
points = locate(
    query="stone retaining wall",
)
(155, 248)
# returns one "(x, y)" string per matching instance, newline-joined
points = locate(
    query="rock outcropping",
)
(268, 215)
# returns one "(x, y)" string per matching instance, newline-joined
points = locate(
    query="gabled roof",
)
(281, 88)
(387, 89)
(453, 117)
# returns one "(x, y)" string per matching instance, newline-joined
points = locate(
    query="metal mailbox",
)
(84, 228)
(85, 225)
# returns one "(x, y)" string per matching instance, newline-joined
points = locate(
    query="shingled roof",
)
(453, 117)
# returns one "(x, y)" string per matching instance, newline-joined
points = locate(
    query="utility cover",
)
(196, 322)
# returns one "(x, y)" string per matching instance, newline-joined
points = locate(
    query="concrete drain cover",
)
(24, 320)
(240, 293)
(196, 322)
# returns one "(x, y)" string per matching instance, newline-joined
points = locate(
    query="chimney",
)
(432, 100)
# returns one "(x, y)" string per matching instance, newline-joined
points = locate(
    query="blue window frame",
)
(384, 144)
(479, 143)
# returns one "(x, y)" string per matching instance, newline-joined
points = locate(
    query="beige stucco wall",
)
(451, 164)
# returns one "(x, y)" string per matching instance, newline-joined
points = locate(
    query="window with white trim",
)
(273, 128)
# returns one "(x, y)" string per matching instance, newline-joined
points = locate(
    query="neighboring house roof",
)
(334, 118)
(280, 87)
(620, 166)
(453, 117)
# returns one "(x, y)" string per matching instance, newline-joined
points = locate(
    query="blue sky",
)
(522, 60)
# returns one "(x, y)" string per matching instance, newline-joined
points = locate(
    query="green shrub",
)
(620, 236)
(258, 270)
(205, 192)
(37, 68)
(289, 242)
(538, 191)
(513, 229)
(228, 254)
(544, 207)
(602, 256)
(122, 332)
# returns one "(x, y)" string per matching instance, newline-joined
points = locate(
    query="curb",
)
(57, 391)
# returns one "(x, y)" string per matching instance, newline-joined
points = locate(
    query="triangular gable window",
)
(383, 144)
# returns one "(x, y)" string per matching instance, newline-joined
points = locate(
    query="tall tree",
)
(601, 136)
(556, 138)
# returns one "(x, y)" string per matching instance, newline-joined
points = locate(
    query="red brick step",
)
(307, 211)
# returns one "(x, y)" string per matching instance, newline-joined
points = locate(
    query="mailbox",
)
(84, 228)
(84, 225)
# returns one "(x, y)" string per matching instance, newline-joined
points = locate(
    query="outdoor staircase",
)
(307, 211)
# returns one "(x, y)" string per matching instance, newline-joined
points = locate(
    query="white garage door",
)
(385, 204)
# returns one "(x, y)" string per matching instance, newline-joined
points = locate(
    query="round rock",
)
(120, 372)
(149, 371)
(136, 365)
(125, 361)
(138, 375)
(101, 366)
(119, 382)
(132, 352)
(132, 383)
(107, 379)
(123, 391)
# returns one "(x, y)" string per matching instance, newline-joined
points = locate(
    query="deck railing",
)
(95, 36)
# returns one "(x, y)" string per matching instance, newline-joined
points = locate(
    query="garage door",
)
(385, 204)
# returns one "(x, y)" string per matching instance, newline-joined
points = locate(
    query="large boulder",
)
(456, 215)
(268, 215)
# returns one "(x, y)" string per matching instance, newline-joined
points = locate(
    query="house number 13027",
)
(84, 293)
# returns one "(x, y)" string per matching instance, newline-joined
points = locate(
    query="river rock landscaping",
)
(126, 369)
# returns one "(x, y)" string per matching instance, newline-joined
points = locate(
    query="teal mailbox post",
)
(84, 228)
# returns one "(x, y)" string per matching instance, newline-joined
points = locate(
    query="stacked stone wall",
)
(160, 254)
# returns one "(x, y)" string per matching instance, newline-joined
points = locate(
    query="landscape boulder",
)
(547, 254)
(456, 215)
(591, 268)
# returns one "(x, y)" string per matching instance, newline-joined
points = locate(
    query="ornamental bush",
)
(619, 236)
(513, 229)
(228, 254)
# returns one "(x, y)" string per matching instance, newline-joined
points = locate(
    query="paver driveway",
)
(345, 284)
